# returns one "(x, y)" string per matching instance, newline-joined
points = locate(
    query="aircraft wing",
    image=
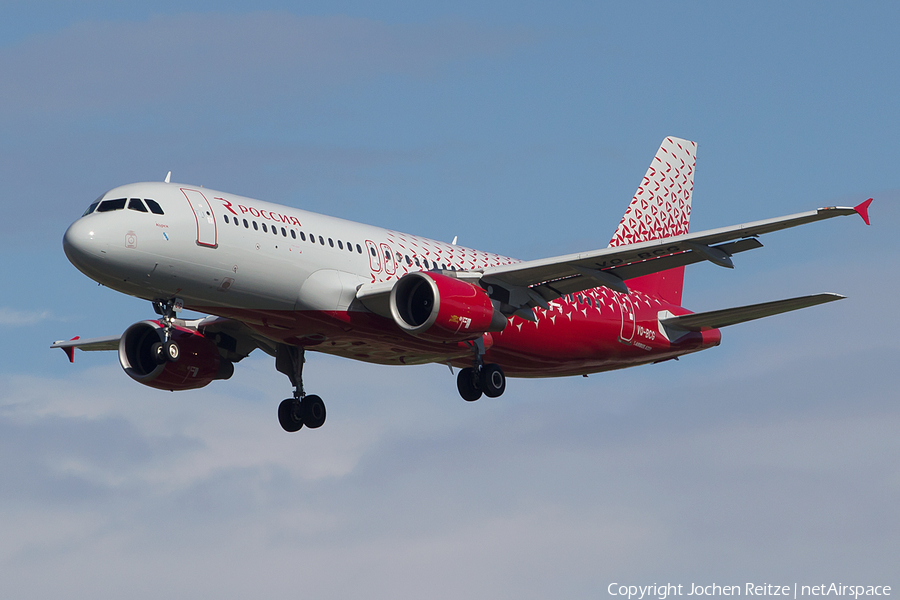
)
(732, 316)
(232, 336)
(533, 283)
(110, 342)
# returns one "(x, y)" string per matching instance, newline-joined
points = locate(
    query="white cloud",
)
(561, 485)
(16, 318)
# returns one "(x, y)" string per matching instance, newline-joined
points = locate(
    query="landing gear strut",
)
(480, 378)
(294, 413)
(167, 350)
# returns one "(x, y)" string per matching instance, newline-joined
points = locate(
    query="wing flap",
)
(578, 283)
(741, 314)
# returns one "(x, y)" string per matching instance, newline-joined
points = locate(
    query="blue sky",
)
(523, 129)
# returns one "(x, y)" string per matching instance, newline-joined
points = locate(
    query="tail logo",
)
(661, 207)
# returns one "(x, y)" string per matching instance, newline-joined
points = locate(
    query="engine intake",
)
(199, 362)
(435, 307)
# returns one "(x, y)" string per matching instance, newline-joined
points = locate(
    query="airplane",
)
(285, 281)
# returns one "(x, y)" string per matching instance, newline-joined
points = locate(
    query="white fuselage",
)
(294, 278)
(222, 250)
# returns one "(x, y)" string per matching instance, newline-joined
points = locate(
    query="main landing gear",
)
(480, 378)
(294, 413)
(167, 350)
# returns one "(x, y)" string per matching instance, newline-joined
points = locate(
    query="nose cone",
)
(81, 246)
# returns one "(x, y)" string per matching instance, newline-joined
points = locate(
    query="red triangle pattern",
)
(661, 207)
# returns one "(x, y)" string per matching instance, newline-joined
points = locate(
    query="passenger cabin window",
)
(110, 205)
(331, 242)
(302, 236)
(226, 218)
(136, 204)
(283, 232)
(154, 207)
(358, 249)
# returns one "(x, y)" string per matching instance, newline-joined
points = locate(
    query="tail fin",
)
(661, 208)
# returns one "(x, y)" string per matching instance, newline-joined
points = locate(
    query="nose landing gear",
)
(167, 350)
(294, 413)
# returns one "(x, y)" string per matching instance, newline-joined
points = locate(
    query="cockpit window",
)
(154, 207)
(109, 205)
(93, 206)
(136, 204)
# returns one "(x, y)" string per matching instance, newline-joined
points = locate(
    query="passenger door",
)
(203, 214)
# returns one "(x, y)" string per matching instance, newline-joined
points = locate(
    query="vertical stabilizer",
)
(661, 208)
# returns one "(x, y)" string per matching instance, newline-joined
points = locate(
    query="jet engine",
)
(198, 360)
(439, 308)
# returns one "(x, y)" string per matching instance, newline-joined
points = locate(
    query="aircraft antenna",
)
(454, 240)
(169, 177)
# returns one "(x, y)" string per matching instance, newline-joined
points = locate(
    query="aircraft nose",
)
(80, 244)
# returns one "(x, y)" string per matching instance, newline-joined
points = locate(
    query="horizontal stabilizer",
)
(731, 316)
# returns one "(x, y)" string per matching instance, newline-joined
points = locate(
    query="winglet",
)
(70, 350)
(863, 210)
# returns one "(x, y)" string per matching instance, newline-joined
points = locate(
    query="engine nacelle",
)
(198, 364)
(435, 307)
